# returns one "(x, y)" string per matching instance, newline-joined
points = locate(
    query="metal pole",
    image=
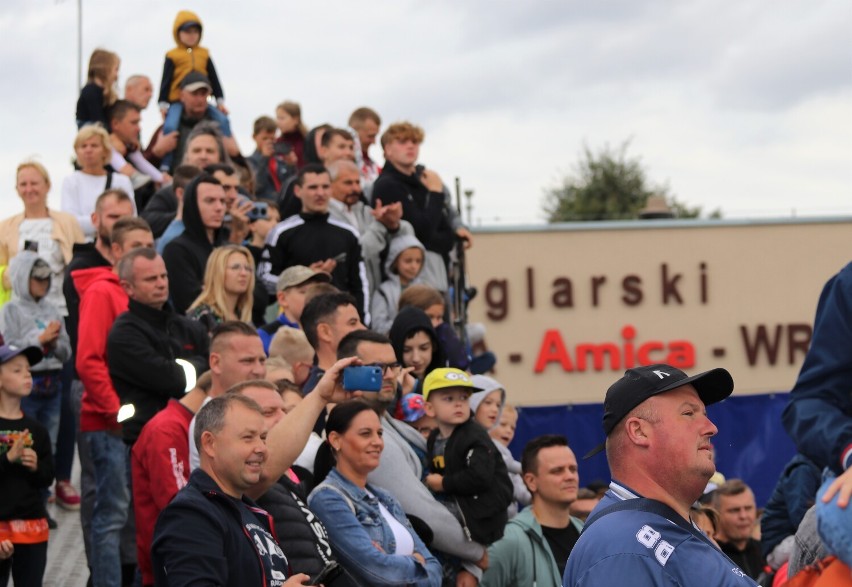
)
(79, 45)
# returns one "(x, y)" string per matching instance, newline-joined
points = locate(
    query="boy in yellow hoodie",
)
(187, 57)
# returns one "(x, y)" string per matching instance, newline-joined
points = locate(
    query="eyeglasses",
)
(394, 367)
(239, 266)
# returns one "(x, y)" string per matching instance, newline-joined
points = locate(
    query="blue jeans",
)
(67, 437)
(46, 412)
(172, 123)
(112, 500)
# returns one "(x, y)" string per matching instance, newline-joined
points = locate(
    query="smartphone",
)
(362, 378)
(329, 573)
(282, 148)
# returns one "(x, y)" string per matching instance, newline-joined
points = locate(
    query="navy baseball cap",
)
(642, 383)
(195, 81)
(10, 351)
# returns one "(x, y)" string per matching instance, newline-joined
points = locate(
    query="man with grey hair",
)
(211, 532)
(376, 227)
(138, 89)
(145, 342)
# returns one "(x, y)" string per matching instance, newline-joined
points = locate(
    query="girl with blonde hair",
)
(228, 291)
(99, 92)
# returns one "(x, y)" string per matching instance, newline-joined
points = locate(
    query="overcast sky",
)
(744, 106)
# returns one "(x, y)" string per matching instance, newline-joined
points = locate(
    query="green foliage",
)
(608, 186)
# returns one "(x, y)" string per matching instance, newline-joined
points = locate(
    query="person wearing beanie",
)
(416, 345)
(487, 407)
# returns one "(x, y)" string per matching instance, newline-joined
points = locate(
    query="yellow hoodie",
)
(182, 59)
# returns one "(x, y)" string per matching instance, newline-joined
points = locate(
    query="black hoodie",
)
(425, 210)
(409, 322)
(186, 256)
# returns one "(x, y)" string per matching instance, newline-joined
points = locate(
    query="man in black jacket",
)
(314, 240)
(145, 342)
(211, 533)
(425, 201)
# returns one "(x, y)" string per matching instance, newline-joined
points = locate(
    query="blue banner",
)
(751, 445)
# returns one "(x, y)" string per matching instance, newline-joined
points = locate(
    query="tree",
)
(608, 186)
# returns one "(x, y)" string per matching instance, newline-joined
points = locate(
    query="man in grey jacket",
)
(376, 227)
(400, 469)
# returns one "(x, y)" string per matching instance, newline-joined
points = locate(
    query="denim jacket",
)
(357, 529)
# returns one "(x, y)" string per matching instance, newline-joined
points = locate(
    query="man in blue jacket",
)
(660, 456)
(211, 533)
(819, 415)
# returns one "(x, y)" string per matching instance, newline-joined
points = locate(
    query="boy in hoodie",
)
(403, 267)
(489, 408)
(186, 58)
(204, 207)
(466, 470)
(31, 320)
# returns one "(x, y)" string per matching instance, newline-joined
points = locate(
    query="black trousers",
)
(26, 566)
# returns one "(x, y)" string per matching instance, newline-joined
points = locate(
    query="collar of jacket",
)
(149, 314)
(413, 179)
(314, 216)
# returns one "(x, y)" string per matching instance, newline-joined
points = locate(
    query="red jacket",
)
(160, 468)
(102, 299)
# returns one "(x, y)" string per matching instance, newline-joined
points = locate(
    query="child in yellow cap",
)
(467, 472)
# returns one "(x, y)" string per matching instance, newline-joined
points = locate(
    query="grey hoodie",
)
(385, 302)
(24, 319)
(520, 492)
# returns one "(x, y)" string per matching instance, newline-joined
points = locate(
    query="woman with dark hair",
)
(369, 533)
(416, 345)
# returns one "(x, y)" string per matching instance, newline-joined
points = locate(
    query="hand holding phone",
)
(362, 378)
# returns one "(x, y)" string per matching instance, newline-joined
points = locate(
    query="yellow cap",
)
(447, 377)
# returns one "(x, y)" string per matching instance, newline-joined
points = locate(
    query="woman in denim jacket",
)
(369, 532)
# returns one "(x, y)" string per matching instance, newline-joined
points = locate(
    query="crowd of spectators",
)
(186, 320)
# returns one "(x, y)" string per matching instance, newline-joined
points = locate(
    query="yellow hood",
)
(183, 17)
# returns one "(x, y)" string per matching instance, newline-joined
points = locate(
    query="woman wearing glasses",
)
(227, 290)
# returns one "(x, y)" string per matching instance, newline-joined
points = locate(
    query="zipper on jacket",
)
(464, 521)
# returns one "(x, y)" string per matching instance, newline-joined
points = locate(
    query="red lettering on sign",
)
(613, 355)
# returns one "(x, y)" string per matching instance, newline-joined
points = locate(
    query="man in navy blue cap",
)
(660, 456)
